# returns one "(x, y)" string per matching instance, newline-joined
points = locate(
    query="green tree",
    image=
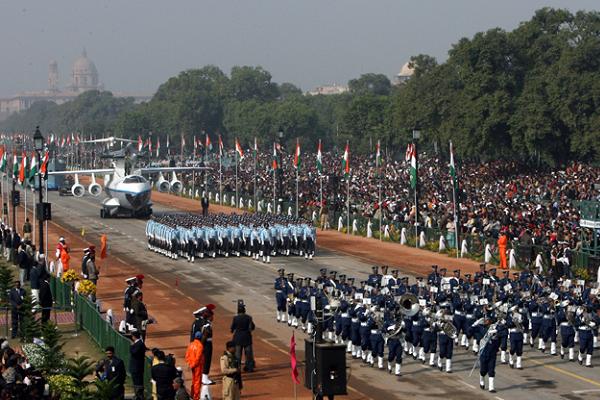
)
(252, 83)
(30, 326)
(370, 83)
(54, 356)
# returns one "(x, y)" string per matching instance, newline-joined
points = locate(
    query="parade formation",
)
(259, 236)
(425, 320)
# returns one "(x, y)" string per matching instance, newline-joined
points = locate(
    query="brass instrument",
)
(450, 330)
(409, 304)
(517, 320)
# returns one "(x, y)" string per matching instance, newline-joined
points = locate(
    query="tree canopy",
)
(531, 94)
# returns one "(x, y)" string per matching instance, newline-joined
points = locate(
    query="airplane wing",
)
(84, 172)
(109, 139)
(153, 170)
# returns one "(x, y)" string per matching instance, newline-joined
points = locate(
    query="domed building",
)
(406, 72)
(85, 75)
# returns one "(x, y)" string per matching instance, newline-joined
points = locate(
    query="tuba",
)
(409, 304)
(450, 330)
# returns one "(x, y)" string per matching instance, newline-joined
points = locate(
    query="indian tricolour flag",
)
(274, 156)
(238, 149)
(33, 168)
(411, 155)
(297, 155)
(452, 167)
(44, 166)
(23, 169)
(319, 158)
(3, 160)
(378, 155)
(346, 161)
(15, 166)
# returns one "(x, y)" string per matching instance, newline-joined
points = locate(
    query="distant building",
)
(406, 72)
(330, 89)
(84, 77)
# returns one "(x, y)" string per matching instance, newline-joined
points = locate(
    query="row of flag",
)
(24, 170)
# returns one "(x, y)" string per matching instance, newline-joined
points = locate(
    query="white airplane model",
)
(129, 194)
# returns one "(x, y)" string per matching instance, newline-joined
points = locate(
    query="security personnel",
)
(128, 297)
(281, 292)
(241, 328)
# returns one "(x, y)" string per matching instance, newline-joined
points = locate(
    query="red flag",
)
(293, 360)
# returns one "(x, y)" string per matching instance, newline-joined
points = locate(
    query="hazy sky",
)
(136, 45)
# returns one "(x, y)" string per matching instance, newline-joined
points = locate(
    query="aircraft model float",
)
(128, 191)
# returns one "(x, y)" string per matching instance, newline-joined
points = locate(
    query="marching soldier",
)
(281, 292)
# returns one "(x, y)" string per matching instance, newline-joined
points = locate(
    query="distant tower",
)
(53, 76)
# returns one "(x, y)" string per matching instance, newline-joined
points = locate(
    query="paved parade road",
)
(226, 280)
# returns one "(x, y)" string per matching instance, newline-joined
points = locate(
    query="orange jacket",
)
(502, 241)
(194, 355)
(64, 259)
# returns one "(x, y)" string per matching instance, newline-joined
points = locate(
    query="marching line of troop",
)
(256, 235)
(486, 313)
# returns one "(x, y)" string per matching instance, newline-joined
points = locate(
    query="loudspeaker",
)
(325, 368)
(16, 198)
(43, 211)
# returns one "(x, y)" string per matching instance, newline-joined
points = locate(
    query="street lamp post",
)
(38, 142)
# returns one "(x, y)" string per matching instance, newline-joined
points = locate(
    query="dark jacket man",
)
(46, 299)
(164, 374)
(137, 362)
(113, 368)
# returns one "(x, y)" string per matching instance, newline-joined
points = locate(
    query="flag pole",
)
(274, 190)
(380, 211)
(236, 176)
(34, 218)
(220, 176)
(348, 203)
(453, 179)
(255, 156)
(297, 190)
(46, 221)
(321, 190)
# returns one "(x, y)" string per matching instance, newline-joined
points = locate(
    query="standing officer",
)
(16, 301)
(137, 363)
(128, 297)
(207, 341)
(242, 327)
(205, 205)
(232, 376)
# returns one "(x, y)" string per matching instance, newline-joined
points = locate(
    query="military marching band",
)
(259, 236)
(484, 313)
